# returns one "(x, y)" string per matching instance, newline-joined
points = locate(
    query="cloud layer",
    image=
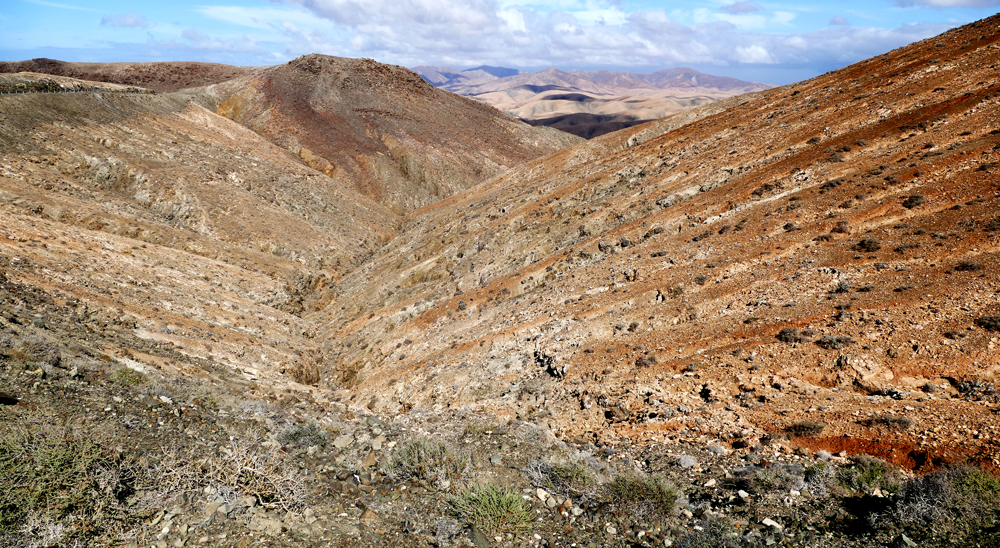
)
(471, 32)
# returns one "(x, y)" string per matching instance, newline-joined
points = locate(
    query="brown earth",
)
(161, 77)
(400, 141)
(612, 290)
(800, 269)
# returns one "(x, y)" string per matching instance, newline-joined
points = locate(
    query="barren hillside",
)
(700, 331)
(401, 141)
(161, 77)
(822, 251)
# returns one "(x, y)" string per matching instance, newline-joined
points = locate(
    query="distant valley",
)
(588, 103)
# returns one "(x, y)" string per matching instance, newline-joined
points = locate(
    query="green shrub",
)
(494, 510)
(128, 376)
(63, 481)
(866, 473)
(427, 460)
(642, 497)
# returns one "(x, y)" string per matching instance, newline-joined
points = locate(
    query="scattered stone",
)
(743, 494)
(369, 518)
(495, 460)
(478, 538)
(686, 461)
(768, 522)
(551, 502)
(343, 441)
(264, 524)
(542, 494)
(717, 450)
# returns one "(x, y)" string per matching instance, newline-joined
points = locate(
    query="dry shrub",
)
(642, 496)
(571, 479)
(246, 467)
(803, 429)
(427, 460)
(305, 372)
(955, 504)
(868, 245)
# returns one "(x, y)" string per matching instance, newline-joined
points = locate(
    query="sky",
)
(774, 42)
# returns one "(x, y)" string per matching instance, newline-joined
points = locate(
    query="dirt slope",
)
(401, 141)
(198, 231)
(161, 77)
(613, 290)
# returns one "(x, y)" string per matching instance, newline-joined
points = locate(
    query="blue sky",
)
(775, 42)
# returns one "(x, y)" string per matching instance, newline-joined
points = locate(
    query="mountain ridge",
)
(591, 103)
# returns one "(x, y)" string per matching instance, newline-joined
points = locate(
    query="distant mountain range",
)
(588, 103)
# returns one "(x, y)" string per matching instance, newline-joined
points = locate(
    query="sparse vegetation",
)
(769, 479)
(890, 421)
(805, 429)
(968, 266)
(494, 510)
(835, 342)
(989, 323)
(61, 484)
(716, 532)
(305, 434)
(645, 497)
(914, 201)
(429, 461)
(128, 376)
(868, 245)
(866, 473)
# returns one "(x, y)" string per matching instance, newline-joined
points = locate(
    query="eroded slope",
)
(152, 212)
(398, 139)
(639, 291)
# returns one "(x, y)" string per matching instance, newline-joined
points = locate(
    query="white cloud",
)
(753, 55)
(839, 21)
(563, 33)
(128, 20)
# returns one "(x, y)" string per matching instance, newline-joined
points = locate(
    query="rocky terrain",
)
(589, 103)
(771, 319)
(399, 140)
(160, 77)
